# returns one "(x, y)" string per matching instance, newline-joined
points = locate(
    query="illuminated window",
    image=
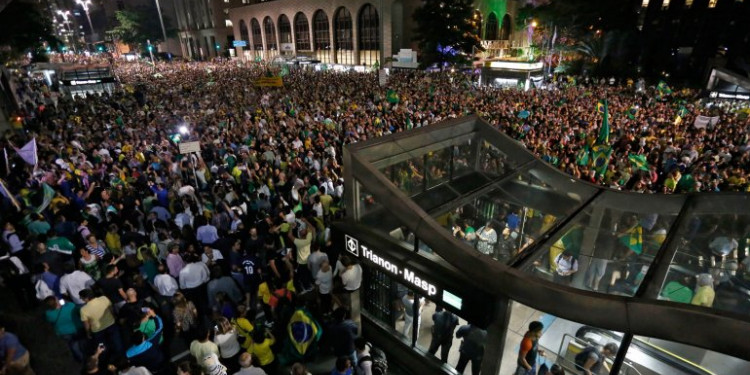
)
(712, 3)
(665, 4)
(688, 3)
(228, 23)
(644, 4)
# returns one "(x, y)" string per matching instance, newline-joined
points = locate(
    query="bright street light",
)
(85, 5)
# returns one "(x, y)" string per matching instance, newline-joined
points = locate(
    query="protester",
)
(249, 217)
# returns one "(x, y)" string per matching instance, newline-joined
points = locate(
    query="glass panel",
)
(408, 175)
(560, 339)
(493, 162)
(439, 339)
(609, 246)
(464, 158)
(513, 216)
(438, 167)
(710, 265)
(649, 356)
(378, 218)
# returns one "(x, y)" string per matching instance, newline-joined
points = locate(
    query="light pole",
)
(66, 21)
(85, 5)
(161, 21)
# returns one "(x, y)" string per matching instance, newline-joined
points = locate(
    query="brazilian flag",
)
(570, 241)
(632, 111)
(582, 157)
(601, 106)
(663, 88)
(603, 138)
(638, 161)
(601, 155)
(633, 239)
(303, 335)
(392, 97)
(682, 112)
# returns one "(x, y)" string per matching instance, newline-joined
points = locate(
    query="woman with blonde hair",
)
(229, 347)
(185, 317)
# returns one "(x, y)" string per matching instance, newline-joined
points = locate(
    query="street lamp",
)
(163, 30)
(85, 5)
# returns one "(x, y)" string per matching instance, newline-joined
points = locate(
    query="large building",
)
(689, 37)
(352, 32)
(204, 27)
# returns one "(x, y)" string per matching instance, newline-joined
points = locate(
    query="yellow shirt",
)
(263, 351)
(113, 243)
(264, 293)
(98, 313)
(244, 329)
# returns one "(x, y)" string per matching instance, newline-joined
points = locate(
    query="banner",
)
(269, 82)
(702, 122)
(28, 152)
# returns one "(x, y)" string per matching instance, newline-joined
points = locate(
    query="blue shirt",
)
(207, 234)
(10, 341)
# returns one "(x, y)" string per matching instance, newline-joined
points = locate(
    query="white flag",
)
(28, 152)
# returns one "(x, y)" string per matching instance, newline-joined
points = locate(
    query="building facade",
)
(688, 37)
(204, 27)
(347, 32)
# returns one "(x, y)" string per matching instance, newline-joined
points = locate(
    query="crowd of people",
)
(132, 246)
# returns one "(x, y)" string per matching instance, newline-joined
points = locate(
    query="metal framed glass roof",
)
(477, 197)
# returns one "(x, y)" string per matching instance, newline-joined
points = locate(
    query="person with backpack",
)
(590, 360)
(567, 265)
(444, 324)
(370, 361)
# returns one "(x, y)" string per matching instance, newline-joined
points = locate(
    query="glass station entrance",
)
(459, 230)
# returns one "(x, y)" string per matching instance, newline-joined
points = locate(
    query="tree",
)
(446, 31)
(26, 29)
(136, 27)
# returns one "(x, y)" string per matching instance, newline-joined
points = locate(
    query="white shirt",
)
(352, 278)
(216, 253)
(193, 275)
(73, 283)
(228, 344)
(364, 368)
(166, 285)
(324, 280)
(564, 265)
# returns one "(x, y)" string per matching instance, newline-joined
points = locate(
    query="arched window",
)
(244, 34)
(505, 30)
(301, 32)
(285, 29)
(369, 35)
(491, 32)
(343, 45)
(270, 31)
(257, 36)
(322, 35)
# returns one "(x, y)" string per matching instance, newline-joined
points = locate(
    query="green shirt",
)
(66, 320)
(38, 227)
(60, 245)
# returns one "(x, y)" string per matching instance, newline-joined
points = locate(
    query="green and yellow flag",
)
(633, 239)
(582, 157)
(632, 111)
(601, 106)
(603, 138)
(601, 155)
(392, 97)
(638, 161)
